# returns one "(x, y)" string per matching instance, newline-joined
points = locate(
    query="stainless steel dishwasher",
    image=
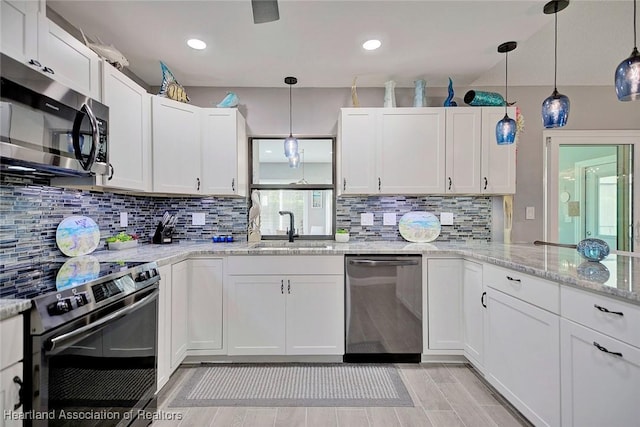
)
(383, 298)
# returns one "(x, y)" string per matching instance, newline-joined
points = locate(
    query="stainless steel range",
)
(92, 350)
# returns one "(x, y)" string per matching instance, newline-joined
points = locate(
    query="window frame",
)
(309, 187)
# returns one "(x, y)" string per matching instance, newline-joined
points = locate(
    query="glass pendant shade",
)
(555, 110)
(628, 78)
(290, 147)
(506, 131)
(294, 161)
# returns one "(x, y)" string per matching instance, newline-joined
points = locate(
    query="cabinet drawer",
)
(285, 265)
(533, 290)
(589, 309)
(11, 333)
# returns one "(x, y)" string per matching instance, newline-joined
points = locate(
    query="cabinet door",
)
(205, 304)
(224, 152)
(463, 150)
(444, 278)
(522, 356)
(411, 151)
(164, 327)
(19, 32)
(498, 161)
(179, 311)
(176, 147)
(315, 314)
(73, 63)
(598, 388)
(257, 315)
(473, 301)
(9, 395)
(129, 131)
(357, 147)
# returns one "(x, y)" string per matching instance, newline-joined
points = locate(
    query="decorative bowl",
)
(118, 246)
(342, 237)
(593, 249)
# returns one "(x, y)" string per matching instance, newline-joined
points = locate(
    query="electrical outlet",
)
(389, 218)
(366, 219)
(530, 212)
(446, 218)
(197, 218)
(124, 219)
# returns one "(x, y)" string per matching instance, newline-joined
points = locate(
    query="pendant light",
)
(291, 143)
(506, 128)
(555, 109)
(628, 72)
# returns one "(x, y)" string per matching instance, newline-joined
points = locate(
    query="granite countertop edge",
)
(13, 307)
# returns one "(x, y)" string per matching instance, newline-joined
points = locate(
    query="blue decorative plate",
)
(77, 235)
(419, 227)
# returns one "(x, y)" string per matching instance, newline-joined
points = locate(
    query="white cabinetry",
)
(600, 361)
(444, 281)
(463, 148)
(129, 131)
(391, 150)
(164, 327)
(176, 147)
(224, 152)
(11, 331)
(522, 351)
(204, 292)
(498, 161)
(290, 305)
(19, 33)
(473, 307)
(179, 312)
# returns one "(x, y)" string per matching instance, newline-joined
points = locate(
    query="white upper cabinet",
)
(463, 149)
(498, 161)
(129, 131)
(19, 33)
(176, 147)
(391, 150)
(224, 152)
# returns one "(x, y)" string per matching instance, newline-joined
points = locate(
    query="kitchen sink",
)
(284, 245)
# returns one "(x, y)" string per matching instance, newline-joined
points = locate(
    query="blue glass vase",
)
(555, 110)
(506, 131)
(628, 78)
(593, 249)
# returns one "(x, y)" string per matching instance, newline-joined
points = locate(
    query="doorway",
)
(589, 191)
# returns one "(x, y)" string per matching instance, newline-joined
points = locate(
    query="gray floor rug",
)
(350, 385)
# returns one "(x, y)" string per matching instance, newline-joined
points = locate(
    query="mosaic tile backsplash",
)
(30, 211)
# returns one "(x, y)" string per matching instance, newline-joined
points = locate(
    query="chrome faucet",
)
(290, 231)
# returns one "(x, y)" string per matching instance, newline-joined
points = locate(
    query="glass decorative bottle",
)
(420, 95)
(389, 94)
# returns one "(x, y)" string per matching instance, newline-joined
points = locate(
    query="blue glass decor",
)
(593, 249)
(555, 110)
(628, 78)
(449, 102)
(593, 271)
(290, 147)
(170, 88)
(506, 131)
(420, 94)
(229, 101)
(389, 94)
(483, 99)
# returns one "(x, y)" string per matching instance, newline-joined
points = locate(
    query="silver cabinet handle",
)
(379, 263)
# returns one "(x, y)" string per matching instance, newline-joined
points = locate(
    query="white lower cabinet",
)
(444, 300)
(11, 331)
(205, 304)
(164, 327)
(522, 356)
(179, 312)
(473, 306)
(271, 313)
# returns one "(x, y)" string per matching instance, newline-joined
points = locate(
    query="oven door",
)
(100, 368)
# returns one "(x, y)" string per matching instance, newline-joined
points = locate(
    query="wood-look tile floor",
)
(444, 395)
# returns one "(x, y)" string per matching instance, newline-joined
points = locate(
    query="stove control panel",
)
(66, 304)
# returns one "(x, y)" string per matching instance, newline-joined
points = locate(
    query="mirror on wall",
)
(307, 188)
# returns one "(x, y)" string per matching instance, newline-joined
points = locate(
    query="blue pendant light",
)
(628, 72)
(291, 143)
(555, 109)
(506, 128)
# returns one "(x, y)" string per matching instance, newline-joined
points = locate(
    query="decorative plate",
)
(77, 235)
(419, 227)
(77, 271)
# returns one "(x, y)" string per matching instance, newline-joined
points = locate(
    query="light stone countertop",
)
(617, 275)
(13, 307)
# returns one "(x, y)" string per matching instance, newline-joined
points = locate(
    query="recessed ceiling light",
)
(372, 44)
(196, 44)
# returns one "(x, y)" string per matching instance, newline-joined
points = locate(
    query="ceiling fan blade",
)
(265, 11)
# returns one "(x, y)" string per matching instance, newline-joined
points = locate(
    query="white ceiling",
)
(319, 41)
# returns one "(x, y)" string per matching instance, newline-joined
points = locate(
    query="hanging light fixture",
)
(555, 109)
(294, 161)
(628, 72)
(506, 128)
(291, 143)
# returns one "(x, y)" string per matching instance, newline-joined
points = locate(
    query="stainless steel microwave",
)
(49, 128)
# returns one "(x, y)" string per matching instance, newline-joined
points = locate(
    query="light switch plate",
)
(446, 218)
(530, 213)
(366, 219)
(197, 218)
(124, 219)
(389, 218)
